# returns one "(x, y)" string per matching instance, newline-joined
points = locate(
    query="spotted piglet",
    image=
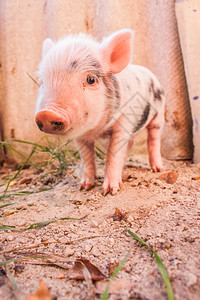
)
(88, 90)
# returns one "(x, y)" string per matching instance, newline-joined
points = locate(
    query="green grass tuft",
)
(160, 264)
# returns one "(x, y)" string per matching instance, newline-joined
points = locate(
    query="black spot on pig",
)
(40, 124)
(112, 93)
(95, 64)
(85, 115)
(157, 92)
(88, 64)
(143, 118)
(138, 80)
(73, 64)
(117, 91)
(57, 125)
(91, 64)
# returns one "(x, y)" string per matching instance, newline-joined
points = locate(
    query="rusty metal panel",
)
(187, 13)
(25, 24)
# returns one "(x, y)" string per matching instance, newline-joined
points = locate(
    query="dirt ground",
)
(161, 208)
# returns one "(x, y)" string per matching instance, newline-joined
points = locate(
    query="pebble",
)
(95, 251)
(94, 224)
(69, 252)
(78, 254)
(10, 238)
(130, 219)
(191, 279)
(111, 242)
(168, 245)
(22, 223)
(71, 226)
(88, 248)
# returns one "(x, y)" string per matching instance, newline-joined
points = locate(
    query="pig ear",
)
(47, 44)
(117, 49)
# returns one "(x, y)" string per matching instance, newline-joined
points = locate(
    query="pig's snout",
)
(51, 122)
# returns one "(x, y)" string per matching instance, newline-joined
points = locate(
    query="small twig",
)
(49, 242)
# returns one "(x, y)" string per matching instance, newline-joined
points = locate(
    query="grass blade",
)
(101, 151)
(160, 264)
(3, 143)
(164, 274)
(14, 150)
(29, 143)
(8, 261)
(5, 205)
(15, 194)
(6, 227)
(115, 272)
(38, 225)
(11, 278)
(45, 223)
(15, 176)
(20, 193)
(32, 79)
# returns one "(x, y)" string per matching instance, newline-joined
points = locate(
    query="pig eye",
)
(91, 80)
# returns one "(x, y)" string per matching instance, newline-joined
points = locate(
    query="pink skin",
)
(51, 122)
(154, 132)
(69, 105)
(113, 174)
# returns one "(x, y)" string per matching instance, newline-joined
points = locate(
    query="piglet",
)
(88, 90)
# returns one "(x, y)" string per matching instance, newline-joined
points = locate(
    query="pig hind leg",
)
(154, 133)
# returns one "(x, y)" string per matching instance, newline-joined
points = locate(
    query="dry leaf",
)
(60, 276)
(42, 293)
(169, 177)
(78, 272)
(119, 216)
(112, 267)
(8, 213)
(26, 179)
(128, 177)
(196, 178)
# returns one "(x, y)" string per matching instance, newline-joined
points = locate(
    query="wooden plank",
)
(188, 18)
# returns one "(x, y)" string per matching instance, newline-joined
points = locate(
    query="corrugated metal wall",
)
(24, 24)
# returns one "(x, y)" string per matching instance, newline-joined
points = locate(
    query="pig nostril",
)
(57, 125)
(40, 124)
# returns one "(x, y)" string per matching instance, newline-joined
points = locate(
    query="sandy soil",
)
(166, 215)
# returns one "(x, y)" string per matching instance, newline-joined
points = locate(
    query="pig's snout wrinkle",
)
(51, 122)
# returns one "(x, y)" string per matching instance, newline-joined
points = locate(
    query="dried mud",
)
(164, 212)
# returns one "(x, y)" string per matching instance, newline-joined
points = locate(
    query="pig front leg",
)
(117, 153)
(154, 132)
(88, 169)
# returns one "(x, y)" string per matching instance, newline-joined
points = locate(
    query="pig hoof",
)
(112, 190)
(86, 186)
(106, 191)
(157, 168)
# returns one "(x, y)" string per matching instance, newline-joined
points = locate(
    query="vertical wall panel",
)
(167, 62)
(188, 16)
(22, 28)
